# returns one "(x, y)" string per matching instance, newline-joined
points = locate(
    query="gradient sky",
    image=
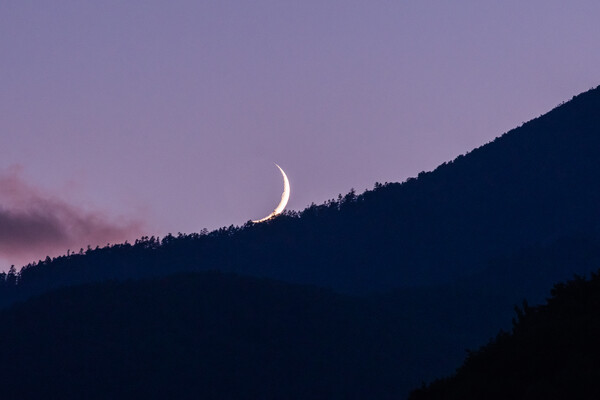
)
(119, 119)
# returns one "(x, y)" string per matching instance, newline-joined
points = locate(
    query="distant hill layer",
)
(379, 345)
(553, 352)
(201, 336)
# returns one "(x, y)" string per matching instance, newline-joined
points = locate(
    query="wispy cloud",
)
(35, 223)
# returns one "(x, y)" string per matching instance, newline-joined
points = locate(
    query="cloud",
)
(35, 223)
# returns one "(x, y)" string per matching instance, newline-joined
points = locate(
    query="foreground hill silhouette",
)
(442, 257)
(553, 352)
(200, 336)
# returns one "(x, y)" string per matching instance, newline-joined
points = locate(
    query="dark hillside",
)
(201, 336)
(532, 186)
(553, 352)
(209, 334)
(442, 321)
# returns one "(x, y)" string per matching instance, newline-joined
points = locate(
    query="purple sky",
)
(125, 118)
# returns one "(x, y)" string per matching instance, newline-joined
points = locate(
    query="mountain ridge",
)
(442, 257)
(533, 185)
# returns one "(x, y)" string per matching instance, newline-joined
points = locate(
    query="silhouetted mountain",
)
(532, 186)
(553, 352)
(200, 336)
(443, 257)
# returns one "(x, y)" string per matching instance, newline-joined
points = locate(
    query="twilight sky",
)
(119, 119)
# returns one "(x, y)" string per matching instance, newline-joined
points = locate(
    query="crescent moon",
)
(285, 197)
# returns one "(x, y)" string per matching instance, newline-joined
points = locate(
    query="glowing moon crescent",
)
(285, 196)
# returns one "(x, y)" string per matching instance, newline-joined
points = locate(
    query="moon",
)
(285, 197)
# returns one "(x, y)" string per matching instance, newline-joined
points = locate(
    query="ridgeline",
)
(439, 261)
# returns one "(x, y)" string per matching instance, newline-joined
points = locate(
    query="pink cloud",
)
(35, 223)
